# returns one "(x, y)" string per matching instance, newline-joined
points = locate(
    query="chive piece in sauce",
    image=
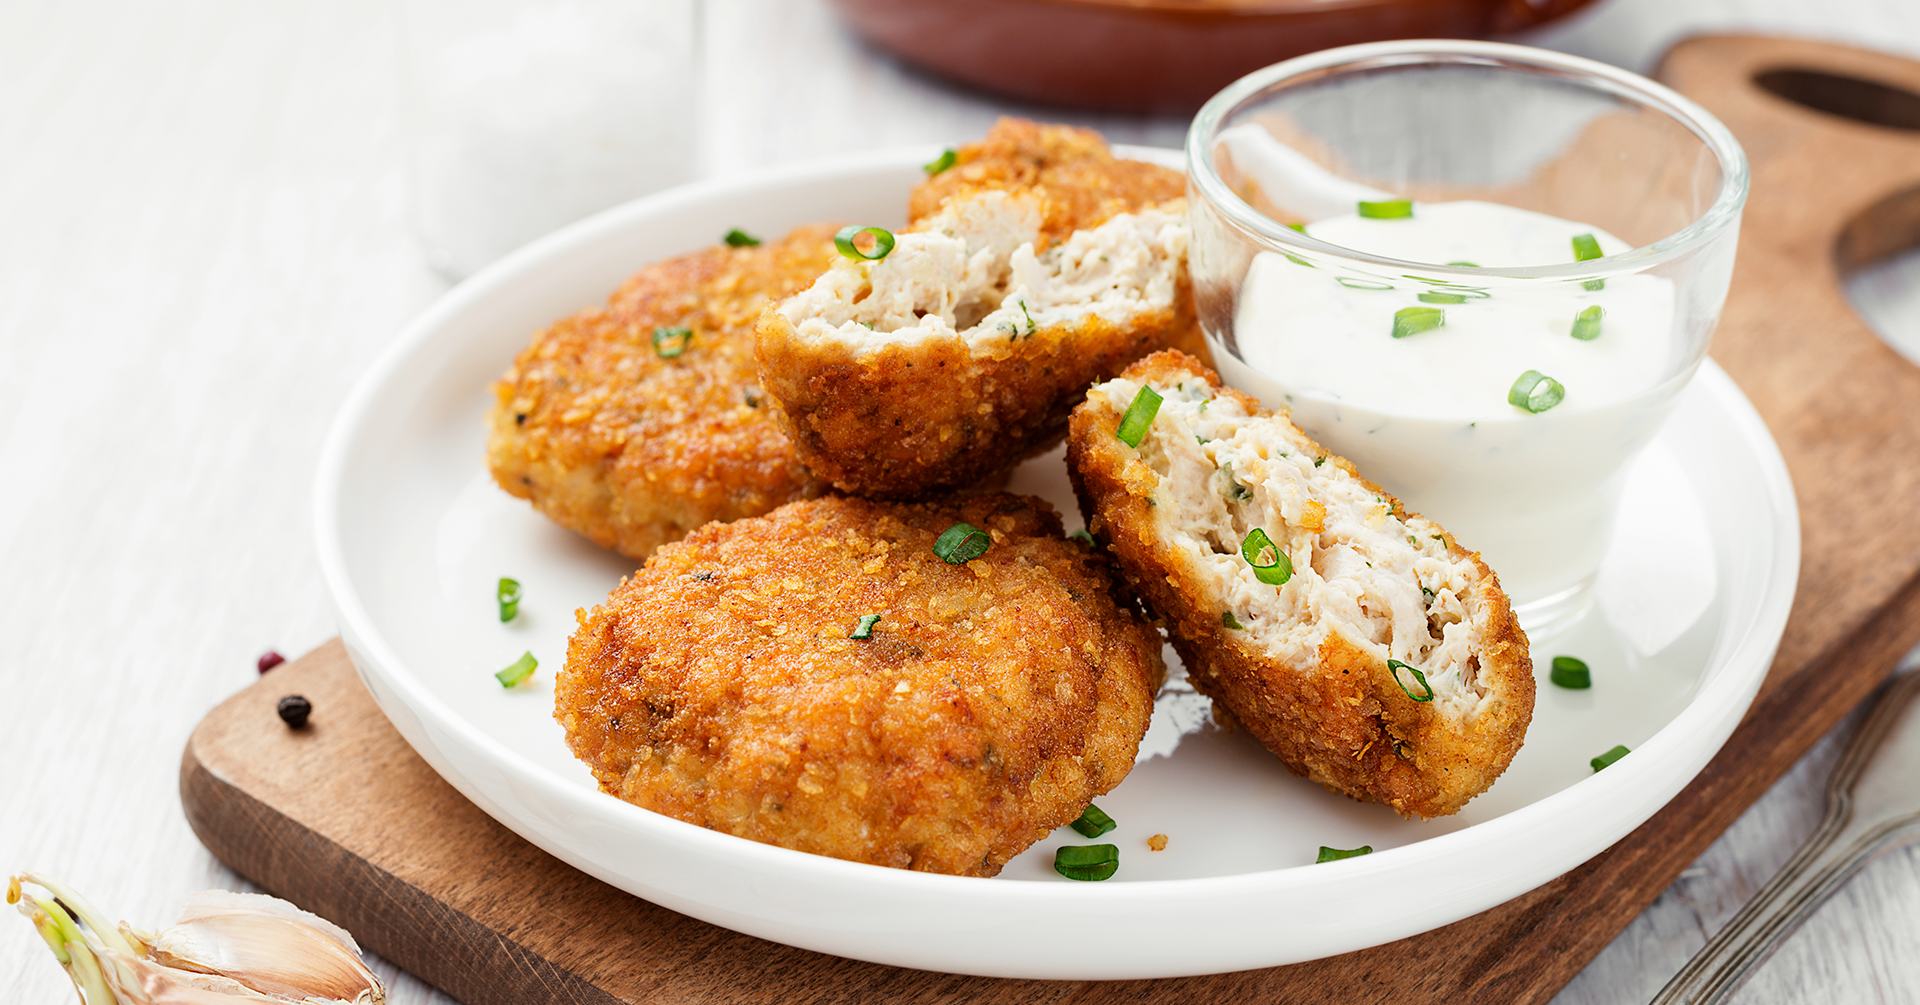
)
(737, 238)
(1586, 324)
(1536, 392)
(1361, 284)
(1386, 209)
(1414, 320)
(1336, 854)
(1431, 297)
(947, 159)
(1133, 425)
(671, 342)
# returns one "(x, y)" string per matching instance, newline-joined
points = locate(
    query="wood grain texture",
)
(206, 244)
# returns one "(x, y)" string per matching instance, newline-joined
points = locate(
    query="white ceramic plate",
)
(412, 537)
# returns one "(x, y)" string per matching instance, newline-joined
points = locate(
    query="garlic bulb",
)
(226, 947)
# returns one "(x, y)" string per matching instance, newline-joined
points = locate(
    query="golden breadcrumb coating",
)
(1036, 265)
(1304, 666)
(632, 449)
(993, 700)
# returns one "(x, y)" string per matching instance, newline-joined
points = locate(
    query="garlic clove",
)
(268, 952)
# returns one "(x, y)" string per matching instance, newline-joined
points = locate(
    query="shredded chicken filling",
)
(973, 270)
(1389, 585)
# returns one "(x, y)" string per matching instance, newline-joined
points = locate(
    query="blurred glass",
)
(522, 116)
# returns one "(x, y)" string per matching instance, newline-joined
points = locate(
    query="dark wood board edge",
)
(452, 951)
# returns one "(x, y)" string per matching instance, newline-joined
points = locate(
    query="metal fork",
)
(1873, 806)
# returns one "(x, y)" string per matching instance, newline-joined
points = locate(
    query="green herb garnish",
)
(1087, 863)
(1443, 298)
(1395, 666)
(1586, 248)
(1093, 822)
(737, 238)
(1361, 284)
(1298, 227)
(521, 669)
(882, 242)
(671, 342)
(1133, 425)
(1336, 854)
(508, 594)
(1536, 392)
(865, 629)
(1388, 209)
(961, 543)
(1270, 565)
(1570, 673)
(1414, 320)
(1586, 324)
(1083, 537)
(1609, 757)
(1227, 619)
(1464, 265)
(947, 159)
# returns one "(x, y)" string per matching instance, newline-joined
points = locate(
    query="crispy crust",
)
(631, 450)
(1341, 721)
(904, 419)
(994, 699)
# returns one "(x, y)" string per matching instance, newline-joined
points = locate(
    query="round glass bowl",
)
(1482, 272)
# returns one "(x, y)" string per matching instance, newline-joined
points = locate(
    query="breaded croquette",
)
(1036, 265)
(620, 427)
(821, 679)
(1359, 642)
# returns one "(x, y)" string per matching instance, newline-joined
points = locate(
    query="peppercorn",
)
(269, 660)
(294, 710)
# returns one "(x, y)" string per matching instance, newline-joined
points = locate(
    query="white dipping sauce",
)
(1427, 415)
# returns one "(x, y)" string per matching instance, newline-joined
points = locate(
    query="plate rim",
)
(379, 664)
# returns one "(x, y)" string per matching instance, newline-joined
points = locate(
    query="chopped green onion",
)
(961, 543)
(1301, 227)
(1608, 758)
(1443, 298)
(671, 342)
(1414, 320)
(1571, 674)
(1083, 537)
(1087, 863)
(882, 242)
(508, 594)
(737, 238)
(1586, 324)
(1093, 822)
(1336, 854)
(521, 669)
(1361, 284)
(865, 629)
(1585, 249)
(947, 159)
(1464, 265)
(1227, 619)
(1395, 666)
(1536, 392)
(1297, 260)
(1258, 546)
(1388, 209)
(1133, 425)
(1322, 459)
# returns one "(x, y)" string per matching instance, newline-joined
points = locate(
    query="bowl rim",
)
(1722, 216)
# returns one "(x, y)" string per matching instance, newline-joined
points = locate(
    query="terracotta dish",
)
(1156, 55)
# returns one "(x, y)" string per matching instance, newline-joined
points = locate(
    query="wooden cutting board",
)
(344, 819)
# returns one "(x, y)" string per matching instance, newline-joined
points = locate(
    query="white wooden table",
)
(203, 244)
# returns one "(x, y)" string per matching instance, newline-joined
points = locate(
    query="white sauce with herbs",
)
(1427, 415)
